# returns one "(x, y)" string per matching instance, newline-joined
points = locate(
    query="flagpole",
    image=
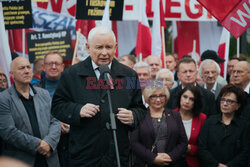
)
(76, 46)
(238, 47)
(23, 34)
(163, 45)
(140, 57)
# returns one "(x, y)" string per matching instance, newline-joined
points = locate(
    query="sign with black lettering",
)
(17, 14)
(40, 43)
(93, 9)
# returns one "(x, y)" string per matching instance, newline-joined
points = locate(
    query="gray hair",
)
(100, 30)
(206, 62)
(164, 70)
(142, 64)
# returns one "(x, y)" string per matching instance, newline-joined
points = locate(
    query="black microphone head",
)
(104, 69)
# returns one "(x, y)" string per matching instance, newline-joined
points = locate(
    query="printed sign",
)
(40, 43)
(93, 9)
(17, 14)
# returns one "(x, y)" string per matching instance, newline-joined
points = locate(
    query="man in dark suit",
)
(28, 130)
(81, 101)
(241, 77)
(209, 71)
(187, 74)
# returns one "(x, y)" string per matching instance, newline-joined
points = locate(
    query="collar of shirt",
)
(214, 87)
(95, 66)
(182, 87)
(32, 92)
(247, 88)
(235, 120)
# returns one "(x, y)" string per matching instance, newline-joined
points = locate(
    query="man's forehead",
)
(22, 62)
(187, 65)
(153, 60)
(165, 74)
(142, 69)
(209, 66)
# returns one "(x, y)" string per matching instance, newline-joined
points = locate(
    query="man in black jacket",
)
(187, 74)
(81, 101)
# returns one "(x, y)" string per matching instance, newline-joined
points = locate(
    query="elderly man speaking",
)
(81, 101)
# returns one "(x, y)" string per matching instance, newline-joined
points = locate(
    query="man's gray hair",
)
(207, 62)
(142, 64)
(100, 30)
(164, 70)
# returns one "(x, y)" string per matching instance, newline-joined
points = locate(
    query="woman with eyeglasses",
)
(223, 141)
(189, 106)
(160, 140)
(3, 81)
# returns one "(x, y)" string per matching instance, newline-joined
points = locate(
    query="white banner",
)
(178, 10)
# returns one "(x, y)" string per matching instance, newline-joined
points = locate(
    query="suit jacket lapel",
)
(20, 108)
(149, 126)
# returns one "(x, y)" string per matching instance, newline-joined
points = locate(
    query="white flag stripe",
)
(5, 56)
(156, 30)
(105, 18)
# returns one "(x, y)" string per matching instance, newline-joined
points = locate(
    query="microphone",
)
(104, 69)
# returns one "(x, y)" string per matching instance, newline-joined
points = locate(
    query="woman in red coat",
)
(189, 105)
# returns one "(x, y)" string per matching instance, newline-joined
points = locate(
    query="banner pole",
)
(238, 47)
(76, 46)
(163, 46)
(23, 34)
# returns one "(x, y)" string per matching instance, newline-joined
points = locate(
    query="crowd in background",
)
(196, 118)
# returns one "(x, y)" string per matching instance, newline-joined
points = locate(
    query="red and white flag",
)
(157, 31)
(206, 34)
(5, 56)
(144, 38)
(223, 51)
(234, 15)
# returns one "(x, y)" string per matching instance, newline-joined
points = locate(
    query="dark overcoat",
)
(143, 138)
(91, 142)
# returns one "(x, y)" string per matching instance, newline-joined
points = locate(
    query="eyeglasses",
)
(3, 81)
(155, 97)
(228, 101)
(52, 63)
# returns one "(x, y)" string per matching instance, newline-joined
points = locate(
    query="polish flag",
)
(205, 34)
(223, 51)
(5, 56)
(234, 15)
(158, 48)
(144, 38)
(82, 27)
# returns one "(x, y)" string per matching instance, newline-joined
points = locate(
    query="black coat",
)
(143, 138)
(91, 143)
(226, 144)
(208, 100)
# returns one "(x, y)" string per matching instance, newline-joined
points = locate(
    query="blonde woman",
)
(160, 140)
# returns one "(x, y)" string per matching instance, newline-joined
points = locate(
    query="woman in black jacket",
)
(223, 141)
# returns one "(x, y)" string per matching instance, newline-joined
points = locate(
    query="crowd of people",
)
(183, 115)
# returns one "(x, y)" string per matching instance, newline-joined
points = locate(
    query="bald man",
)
(155, 64)
(241, 75)
(28, 130)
